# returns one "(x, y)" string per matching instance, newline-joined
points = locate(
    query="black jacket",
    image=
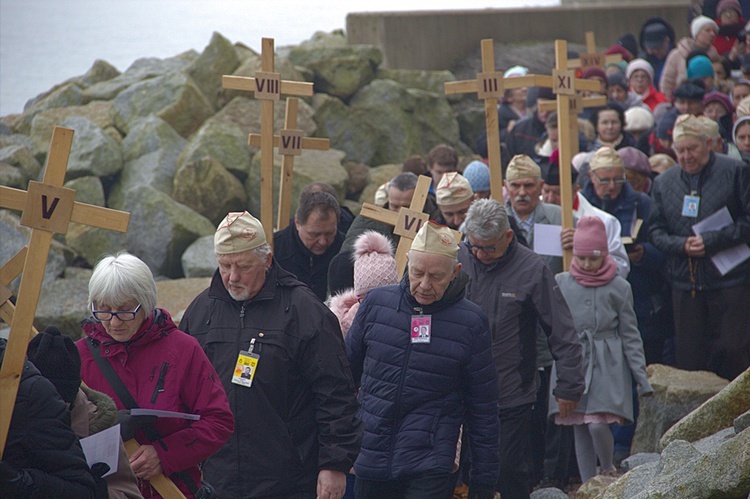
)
(722, 182)
(524, 136)
(299, 415)
(41, 444)
(294, 257)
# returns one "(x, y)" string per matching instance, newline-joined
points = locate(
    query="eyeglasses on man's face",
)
(106, 315)
(607, 181)
(476, 248)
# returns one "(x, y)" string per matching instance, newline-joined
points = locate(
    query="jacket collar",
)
(455, 292)
(276, 276)
(159, 324)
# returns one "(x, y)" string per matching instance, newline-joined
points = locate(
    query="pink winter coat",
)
(164, 368)
(344, 306)
(675, 67)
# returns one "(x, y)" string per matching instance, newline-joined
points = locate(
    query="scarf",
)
(614, 144)
(600, 277)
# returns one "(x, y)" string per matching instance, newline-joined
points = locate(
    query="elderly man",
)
(711, 307)
(517, 291)
(305, 248)
(296, 432)
(454, 196)
(421, 353)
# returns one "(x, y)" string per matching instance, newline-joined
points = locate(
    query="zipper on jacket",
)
(242, 316)
(160, 382)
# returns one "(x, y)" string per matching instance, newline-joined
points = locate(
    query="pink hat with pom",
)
(374, 264)
(590, 238)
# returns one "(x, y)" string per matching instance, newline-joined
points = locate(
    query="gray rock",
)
(66, 95)
(13, 139)
(676, 394)
(175, 295)
(378, 176)
(742, 422)
(308, 55)
(223, 142)
(349, 129)
(92, 243)
(712, 442)
(78, 273)
(359, 177)
(471, 121)
(549, 493)
(89, 190)
(14, 236)
(21, 157)
(150, 152)
(174, 97)
(64, 304)
(341, 76)
(100, 71)
(430, 81)
(208, 188)
(676, 455)
(141, 69)
(199, 259)
(12, 176)
(632, 483)
(594, 487)
(218, 58)
(45, 122)
(161, 229)
(311, 166)
(715, 414)
(93, 152)
(635, 460)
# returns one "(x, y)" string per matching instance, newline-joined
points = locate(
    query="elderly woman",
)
(609, 122)
(161, 367)
(703, 31)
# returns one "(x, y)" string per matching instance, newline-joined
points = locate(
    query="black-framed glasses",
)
(616, 181)
(106, 315)
(476, 247)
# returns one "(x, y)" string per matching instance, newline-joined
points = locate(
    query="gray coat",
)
(612, 346)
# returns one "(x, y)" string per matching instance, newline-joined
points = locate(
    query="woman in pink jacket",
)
(704, 31)
(160, 367)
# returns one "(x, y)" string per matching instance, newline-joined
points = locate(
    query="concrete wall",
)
(437, 39)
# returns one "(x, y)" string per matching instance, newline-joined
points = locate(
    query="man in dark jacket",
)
(42, 456)
(421, 353)
(305, 248)
(656, 39)
(523, 138)
(517, 291)
(296, 432)
(711, 307)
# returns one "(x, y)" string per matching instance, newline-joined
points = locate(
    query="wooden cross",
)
(47, 208)
(290, 143)
(592, 58)
(490, 86)
(268, 87)
(406, 222)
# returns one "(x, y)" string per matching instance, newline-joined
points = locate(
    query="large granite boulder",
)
(359, 177)
(161, 228)
(378, 176)
(217, 59)
(348, 129)
(91, 243)
(45, 122)
(715, 414)
(141, 69)
(252, 63)
(11, 176)
(311, 166)
(174, 295)
(150, 152)
(64, 304)
(174, 97)
(676, 394)
(65, 95)
(93, 152)
(208, 188)
(430, 81)
(21, 159)
(199, 259)
(89, 190)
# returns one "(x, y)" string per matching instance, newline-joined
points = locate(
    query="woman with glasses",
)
(609, 122)
(133, 352)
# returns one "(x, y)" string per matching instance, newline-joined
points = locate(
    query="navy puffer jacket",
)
(414, 397)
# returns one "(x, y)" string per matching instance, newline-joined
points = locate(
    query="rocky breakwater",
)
(164, 141)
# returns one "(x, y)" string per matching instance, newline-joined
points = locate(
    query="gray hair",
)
(261, 252)
(404, 181)
(486, 220)
(120, 278)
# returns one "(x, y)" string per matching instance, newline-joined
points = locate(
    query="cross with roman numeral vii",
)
(47, 208)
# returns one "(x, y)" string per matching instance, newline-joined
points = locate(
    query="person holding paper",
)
(711, 308)
(133, 352)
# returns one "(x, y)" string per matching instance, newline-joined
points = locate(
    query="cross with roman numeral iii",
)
(268, 87)
(47, 208)
(406, 222)
(290, 143)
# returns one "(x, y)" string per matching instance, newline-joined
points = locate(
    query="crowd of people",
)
(309, 368)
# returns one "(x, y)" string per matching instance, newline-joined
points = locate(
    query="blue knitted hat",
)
(478, 175)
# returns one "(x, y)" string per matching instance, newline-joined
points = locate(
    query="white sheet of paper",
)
(103, 447)
(547, 240)
(164, 414)
(729, 258)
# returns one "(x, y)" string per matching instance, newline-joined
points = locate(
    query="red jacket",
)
(164, 368)
(653, 98)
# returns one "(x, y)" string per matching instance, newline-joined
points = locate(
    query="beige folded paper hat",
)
(238, 232)
(605, 157)
(522, 166)
(453, 189)
(687, 126)
(435, 239)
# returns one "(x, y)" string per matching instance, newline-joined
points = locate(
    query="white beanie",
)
(641, 64)
(699, 22)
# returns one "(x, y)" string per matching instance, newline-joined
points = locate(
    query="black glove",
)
(14, 481)
(129, 424)
(99, 470)
(481, 491)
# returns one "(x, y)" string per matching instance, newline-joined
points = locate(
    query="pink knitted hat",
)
(590, 238)
(374, 264)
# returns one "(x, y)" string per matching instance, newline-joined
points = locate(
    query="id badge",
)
(421, 328)
(690, 206)
(244, 370)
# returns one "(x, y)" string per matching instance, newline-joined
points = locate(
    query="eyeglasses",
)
(607, 181)
(106, 315)
(476, 247)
